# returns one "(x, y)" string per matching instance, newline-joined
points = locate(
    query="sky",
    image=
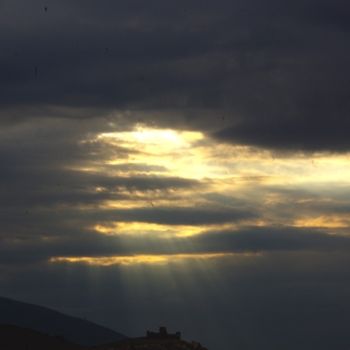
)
(179, 163)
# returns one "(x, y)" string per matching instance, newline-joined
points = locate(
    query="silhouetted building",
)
(163, 334)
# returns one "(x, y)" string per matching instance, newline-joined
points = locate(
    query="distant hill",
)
(44, 320)
(17, 338)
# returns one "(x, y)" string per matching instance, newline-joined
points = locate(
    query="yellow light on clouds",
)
(141, 259)
(144, 228)
(324, 221)
(191, 154)
(275, 187)
(176, 151)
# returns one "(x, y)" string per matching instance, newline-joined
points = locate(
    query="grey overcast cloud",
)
(179, 163)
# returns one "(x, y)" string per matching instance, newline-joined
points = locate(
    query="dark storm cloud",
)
(180, 216)
(314, 135)
(52, 188)
(270, 239)
(277, 73)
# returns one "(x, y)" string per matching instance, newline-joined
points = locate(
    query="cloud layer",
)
(261, 74)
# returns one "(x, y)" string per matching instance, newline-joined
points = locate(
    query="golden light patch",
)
(324, 221)
(173, 150)
(144, 228)
(141, 259)
(150, 137)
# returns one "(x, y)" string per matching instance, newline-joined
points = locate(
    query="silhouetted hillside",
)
(51, 322)
(17, 338)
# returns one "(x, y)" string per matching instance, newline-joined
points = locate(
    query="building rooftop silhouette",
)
(163, 334)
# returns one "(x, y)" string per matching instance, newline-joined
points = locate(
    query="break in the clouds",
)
(267, 74)
(72, 190)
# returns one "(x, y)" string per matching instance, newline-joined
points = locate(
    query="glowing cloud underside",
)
(280, 189)
(139, 259)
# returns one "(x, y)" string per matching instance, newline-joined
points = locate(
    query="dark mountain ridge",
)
(54, 323)
(18, 338)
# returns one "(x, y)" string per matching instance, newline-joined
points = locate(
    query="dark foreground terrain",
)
(147, 344)
(30, 327)
(17, 338)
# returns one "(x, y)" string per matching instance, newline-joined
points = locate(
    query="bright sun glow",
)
(176, 151)
(159, 140)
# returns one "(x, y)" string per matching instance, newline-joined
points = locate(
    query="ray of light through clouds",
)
(236, 187)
